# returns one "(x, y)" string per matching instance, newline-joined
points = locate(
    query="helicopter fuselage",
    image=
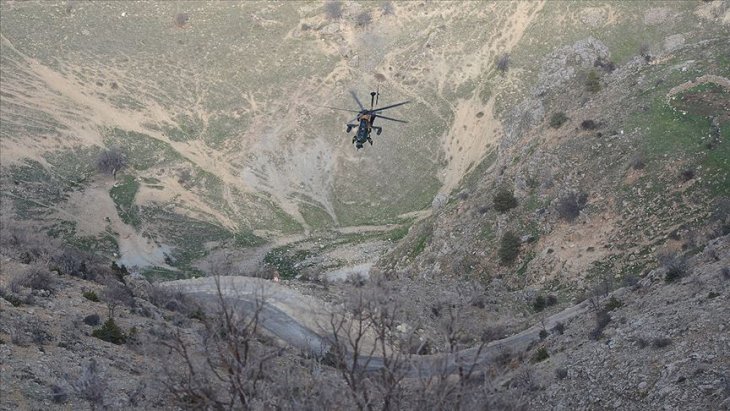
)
(365, 128)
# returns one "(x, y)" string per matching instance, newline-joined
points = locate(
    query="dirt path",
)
(304, 322)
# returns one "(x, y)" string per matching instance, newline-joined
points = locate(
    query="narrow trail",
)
(303, 322)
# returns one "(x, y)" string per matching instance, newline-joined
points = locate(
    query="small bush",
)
(540, 355)
(637, 161)
(110, 332)
(676, 267)
(111, 161)
(660, 342)
(333, 10)
(539, 304)
(551, 300)
(593, 82)
(543, 334)
(58, 394)
(559, 328)
(387, 8)
(509, 248)
(725, 273)
(558, 119)
(570, 205)
(37, 278)
(588, 125)
(561, 373)
(686, 175)
(504, 200)
(363, 19)
(613, 304)
(641, 342)
(91, 296)
(602, 320)
(10, 297)
(92, 320)
(503, 62)
(182, 19)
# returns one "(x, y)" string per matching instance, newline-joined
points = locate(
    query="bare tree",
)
(90, 385)
(366, 349)
(224, 366)
(111, 161)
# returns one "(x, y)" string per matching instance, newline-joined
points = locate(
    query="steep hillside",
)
(551, 227)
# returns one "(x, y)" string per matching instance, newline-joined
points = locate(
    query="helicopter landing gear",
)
(370, 140)
(349, 128)
(378, 130)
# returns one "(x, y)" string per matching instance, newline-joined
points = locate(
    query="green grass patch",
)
(123, 193)
(143, 151)
(246, 238)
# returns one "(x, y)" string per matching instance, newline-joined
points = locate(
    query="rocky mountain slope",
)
(561, 158)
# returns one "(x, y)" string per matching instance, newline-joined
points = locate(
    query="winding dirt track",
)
(303, 322)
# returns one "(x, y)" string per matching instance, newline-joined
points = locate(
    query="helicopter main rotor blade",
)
(390, 118)
(341, 109)
(390, 106)
(357, 100)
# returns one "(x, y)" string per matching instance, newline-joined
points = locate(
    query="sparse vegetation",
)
(111, 161)
(364, 18)
(110, 332)
(613, 304)
(558, 119)
(503, 63)
(661, 342)
(637, 161)
(91, 296)
(561, 373)
(569, 205)
(333, 10)
(509, 248)
(92, 320)
(504, 200)
(676, 266)
(602, 320)
(540, 355)
(593, 82)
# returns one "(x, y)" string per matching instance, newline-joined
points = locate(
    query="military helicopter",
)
(365, 119)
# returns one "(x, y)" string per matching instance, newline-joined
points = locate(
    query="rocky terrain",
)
(550, 229)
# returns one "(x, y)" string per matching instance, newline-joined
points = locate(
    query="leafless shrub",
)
(559, 328)
(224, 367)
(676, 266)
(660, 342)
(360, 336)
(59, 395)
(637, 161)
(561, 373)
(115, 294)
(92, 320)
(91, 385)
(503, 62)
(687, 174)
(111, 161)
(569, 205)
(364, 19)
(37, 278)
(602, 320)
(493, 333)
(725, 273)
(333, 10)
(387, 8)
